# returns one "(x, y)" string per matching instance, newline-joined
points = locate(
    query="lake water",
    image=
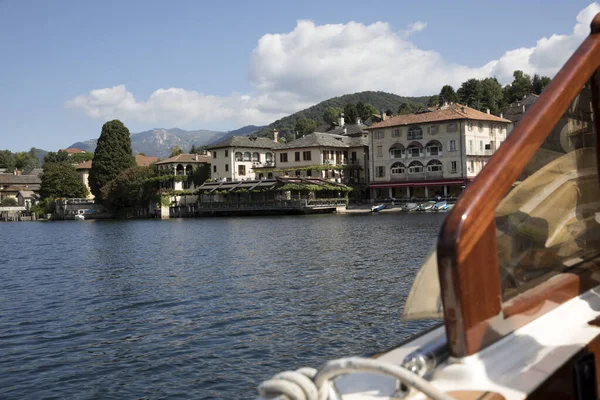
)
(199, 308)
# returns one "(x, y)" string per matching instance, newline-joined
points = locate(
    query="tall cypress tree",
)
(112, 156)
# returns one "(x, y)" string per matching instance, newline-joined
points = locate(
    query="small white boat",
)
(377, 208)
(410, 207)
(426, 206)
(79, 217)
(440, 206)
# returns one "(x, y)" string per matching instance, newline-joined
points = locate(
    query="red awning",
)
(419, 183)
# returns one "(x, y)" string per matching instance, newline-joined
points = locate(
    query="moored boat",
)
(515, 275)
(426, 206)
(440, 206)
(378, 207)
(410, 207)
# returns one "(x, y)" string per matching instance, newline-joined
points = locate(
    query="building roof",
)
(348, 129)
(186, 159)
(11, 179)
(141, 161)
(245, 141)
(73, 150)
(448, 113)
(320, 139)
(27, 193)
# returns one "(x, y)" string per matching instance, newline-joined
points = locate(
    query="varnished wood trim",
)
(467, 256)
(475, 395)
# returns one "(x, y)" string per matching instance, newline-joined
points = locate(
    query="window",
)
(226, 153)
(452, 127)
(255, 157)
(434, 166)
(433, 148)
(415, 167)
(433, 129)
(481, 145)
(396, 133)
(297, 156)
(379, 135)
(242, 170)
(453, 167)
(379, 151)
(270, 175)
(269, 157)
(413, 151)
(283, 157)
(214, 154)
(297, 173)
(397, 151)
(380, 172)
(238, 156)
(452, 145)
(247, 156)
(226, 167)
(488, 146)
(480, 126)
(306, 155)
(470, 125)
(398, 168)
(309, 173)
(353, 156)
(261, 176)
(470, 146)
(472, 166)
(415, 132)
(214, 168)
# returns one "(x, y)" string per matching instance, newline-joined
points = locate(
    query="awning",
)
(418, 183)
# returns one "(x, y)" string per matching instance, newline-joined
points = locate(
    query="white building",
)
(235, 158)
(181, 165)
(432, 152)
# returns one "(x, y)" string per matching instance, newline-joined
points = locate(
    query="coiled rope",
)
(308, 384)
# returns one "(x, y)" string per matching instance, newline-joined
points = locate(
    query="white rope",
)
(296, 385)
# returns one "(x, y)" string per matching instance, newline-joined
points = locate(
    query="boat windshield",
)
(549, 223)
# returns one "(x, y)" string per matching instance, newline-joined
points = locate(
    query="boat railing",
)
(472, 254)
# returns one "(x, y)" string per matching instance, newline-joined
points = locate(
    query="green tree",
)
(193, 150)
(78, 158)
(61, 180)
(406, 108)
(350, 113)
(9, 202)
(332, 115)
(433, 101)
(112, 156)
(305, 126)
(447, 95)
(25, 162)
(492, 95)
(132, 188)
(175, 151)
(471, 93)
(539, 83)
(7, 160)
(520, 86)
(201, 174)
(365, 110)
(54, 157)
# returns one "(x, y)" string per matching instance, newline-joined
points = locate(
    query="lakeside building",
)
(182, 165)
(84, 168)
(236, 158)
(434, 152)
(516, 110)
(12, 184)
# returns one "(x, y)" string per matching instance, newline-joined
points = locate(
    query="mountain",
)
(158, 142)
(379, 100)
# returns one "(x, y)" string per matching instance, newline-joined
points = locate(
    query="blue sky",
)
(68, 66)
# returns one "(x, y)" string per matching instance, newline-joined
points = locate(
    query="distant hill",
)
(158, 142)
(379, 100)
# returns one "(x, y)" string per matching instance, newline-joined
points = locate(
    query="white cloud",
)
(294, 70)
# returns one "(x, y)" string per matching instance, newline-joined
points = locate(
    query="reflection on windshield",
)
(547, 223)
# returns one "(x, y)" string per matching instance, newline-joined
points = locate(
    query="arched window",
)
(433, 148)
(398, 168)
(415, 149)
(269, 157)
(247, 156)
(179, 169)
(415, 167)
(434, 166)
(238, 156)
(397, 151)
(189, 170)
(415, 132)
(255, 157)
